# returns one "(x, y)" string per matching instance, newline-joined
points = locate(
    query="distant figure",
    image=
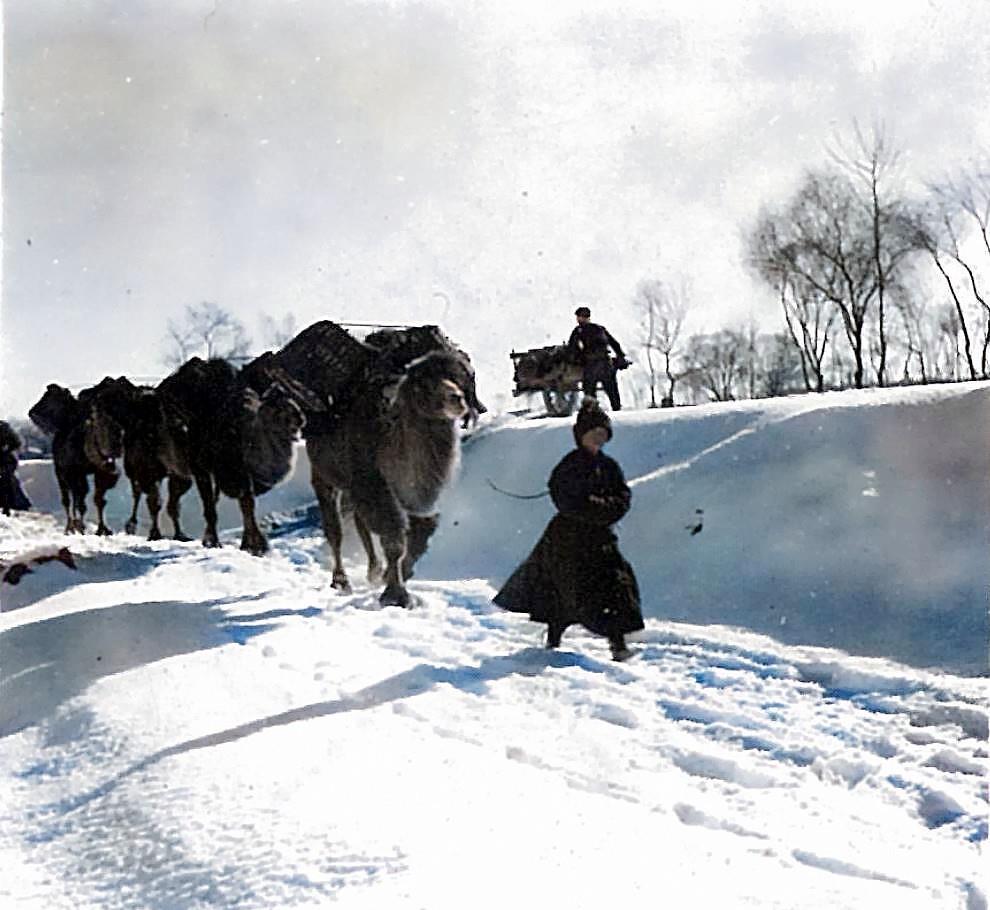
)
(11, 495)
(588, 346)
(575, 573)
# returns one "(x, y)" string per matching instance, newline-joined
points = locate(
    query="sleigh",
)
(551, 372)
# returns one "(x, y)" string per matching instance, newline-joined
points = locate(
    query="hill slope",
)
(859, 520)
(182, 728)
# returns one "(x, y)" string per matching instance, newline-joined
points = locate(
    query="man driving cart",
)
(589, 346)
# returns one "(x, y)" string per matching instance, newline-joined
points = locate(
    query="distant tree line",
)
(876, 287)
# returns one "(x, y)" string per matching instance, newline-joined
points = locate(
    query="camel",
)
(140, 413)
(392, 455)
(228, 439)
(80, 447)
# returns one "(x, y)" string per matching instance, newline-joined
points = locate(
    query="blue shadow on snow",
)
(45, 663)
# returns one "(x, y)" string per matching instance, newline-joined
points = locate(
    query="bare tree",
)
(206, 330)
(917, 336)
(947, 353)
(960, 203)
(935, 235)
(781, 367)
(872, 162)
(276, 333)
(663, 306)
(823, 241)
(809, 313)
(970, 191)
(715, 363)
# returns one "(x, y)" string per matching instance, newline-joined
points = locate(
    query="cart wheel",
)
(559, 404)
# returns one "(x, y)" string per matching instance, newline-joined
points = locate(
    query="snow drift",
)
(190, 728)
(859, 520)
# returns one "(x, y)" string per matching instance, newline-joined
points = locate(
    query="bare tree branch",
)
(664, 306)
(206, 330)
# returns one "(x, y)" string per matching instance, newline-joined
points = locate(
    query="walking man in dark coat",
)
(575, 573)
(11, 494)
(588, 346)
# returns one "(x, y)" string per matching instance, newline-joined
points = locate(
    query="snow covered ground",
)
(804, 724)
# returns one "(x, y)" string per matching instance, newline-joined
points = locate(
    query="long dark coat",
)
(575, 573)
(11, 494)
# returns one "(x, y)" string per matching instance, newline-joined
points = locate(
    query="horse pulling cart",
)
(551, 372)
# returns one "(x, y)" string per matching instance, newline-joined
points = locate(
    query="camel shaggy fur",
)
(140, 413)
(80, 447)
(392, 455)
(229, 439)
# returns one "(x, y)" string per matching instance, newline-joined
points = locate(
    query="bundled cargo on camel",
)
(381, 428)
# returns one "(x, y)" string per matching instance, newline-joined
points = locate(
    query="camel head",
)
(279, 409)
(433, 388)
(54, 409)
(103, 438)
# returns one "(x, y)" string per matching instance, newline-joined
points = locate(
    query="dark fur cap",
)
(583, 311)
(589, 417)
(9, 440)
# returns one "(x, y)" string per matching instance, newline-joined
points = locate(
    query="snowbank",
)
(859, 520)
(191, 728)
(856, 520)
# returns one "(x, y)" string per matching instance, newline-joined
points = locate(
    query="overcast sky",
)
(487, 165)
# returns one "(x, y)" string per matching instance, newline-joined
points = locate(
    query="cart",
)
(551, 372)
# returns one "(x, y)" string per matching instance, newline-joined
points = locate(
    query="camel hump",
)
(114, 397)
(400, 347)
(94, 392)
(199, 390)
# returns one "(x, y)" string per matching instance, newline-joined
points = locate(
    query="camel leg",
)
(79, 489)
(177, 488)
(367, 541)
(381, 513)
(204, 484)
(63, 490)
(421, 528)
(101, 483)
(333, 531)
(252, 540)
(130, 527)
(154, 507)
(395, 593)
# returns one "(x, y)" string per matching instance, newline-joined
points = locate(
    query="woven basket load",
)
(542, 368)
(400, 347)
(326, 360)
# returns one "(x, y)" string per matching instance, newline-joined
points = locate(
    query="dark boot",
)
(617, 645)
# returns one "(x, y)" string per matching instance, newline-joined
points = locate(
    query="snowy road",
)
(190, 729)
